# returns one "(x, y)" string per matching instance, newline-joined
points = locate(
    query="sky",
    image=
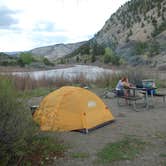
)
(28, 24)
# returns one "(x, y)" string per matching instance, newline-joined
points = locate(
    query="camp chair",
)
(33, 108)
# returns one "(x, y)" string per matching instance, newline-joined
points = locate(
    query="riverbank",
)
(29, 69)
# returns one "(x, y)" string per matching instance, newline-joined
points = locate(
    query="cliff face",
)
(135, 30)
(56, 51)
(137, 20)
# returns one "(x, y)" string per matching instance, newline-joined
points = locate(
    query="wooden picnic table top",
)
(144, 89)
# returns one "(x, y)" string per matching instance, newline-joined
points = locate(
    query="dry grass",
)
(107, 80)
(104, 80)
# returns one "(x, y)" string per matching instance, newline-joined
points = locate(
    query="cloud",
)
(6, 18)
(43, 38)
(27, 24)
(44, 26)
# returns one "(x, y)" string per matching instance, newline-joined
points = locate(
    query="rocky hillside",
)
(137, 31)
(56, 51)
(137, 20)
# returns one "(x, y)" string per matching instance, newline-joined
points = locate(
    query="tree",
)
(154, 23)
(84, 49)
(154, 48)
(97, 49)
(47, 62)
(140, 47)
(93, 58)
(142, 24)
(110, 56)
(77, 58)
(62, 61)
(25, 58)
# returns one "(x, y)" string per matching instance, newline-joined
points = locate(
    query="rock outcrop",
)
(56, 51)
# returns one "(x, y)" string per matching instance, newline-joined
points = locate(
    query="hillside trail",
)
(147, 125)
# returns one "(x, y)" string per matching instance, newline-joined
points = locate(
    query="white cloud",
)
(49, 22)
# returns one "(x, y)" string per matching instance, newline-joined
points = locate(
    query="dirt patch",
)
(148, 125)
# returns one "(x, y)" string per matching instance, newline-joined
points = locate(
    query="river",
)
(90, 72)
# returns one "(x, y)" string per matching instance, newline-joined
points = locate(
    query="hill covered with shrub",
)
(135, 34)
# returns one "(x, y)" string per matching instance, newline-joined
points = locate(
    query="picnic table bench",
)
(130, 100)
(134, 97)
(158, 94)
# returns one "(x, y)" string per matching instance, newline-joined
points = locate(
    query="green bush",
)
(47, 62)
(159, 29)
(161, 83)
(93, 58)
(16, 125)
(141, 47)
(110, 57)
(107, 58)
(25, 58)
(154, 48)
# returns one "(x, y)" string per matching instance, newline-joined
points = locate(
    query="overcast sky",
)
(27, 24)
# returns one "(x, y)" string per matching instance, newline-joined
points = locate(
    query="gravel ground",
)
(148, 125)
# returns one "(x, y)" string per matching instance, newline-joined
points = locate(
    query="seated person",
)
(121, 85)
(152, 91)
(150, 86)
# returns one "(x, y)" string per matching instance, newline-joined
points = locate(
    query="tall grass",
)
(16, 125)
(20, 139)
(136, 76)
(28, 83)
(104, 80)
(110, 80)
(24, 83)
(107, 80)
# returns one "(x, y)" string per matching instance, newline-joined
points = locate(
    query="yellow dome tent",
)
(72, 108)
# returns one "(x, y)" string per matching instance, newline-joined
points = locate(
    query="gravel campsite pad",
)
(145, 125)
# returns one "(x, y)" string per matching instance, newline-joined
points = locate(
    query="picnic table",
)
(147, 100)
(132, 97)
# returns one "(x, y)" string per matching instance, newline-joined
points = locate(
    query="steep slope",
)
(137, 31)
(137, 20)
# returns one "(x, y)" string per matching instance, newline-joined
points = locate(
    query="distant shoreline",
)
(29, 69)
(59, 66)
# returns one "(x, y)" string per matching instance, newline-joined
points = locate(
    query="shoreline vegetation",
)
(63, 66)
(135, 74)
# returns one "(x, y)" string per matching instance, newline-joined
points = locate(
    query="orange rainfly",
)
(72, 108)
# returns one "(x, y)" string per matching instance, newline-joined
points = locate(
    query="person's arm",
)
(126, 85)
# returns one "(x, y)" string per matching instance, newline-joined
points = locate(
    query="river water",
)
(90, 72)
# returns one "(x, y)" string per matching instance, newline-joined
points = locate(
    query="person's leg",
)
(120, 93)
(126, 92)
